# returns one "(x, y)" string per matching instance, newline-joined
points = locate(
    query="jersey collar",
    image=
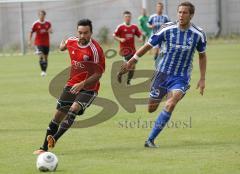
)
(85, 46)
(127, 25)
(41, 22)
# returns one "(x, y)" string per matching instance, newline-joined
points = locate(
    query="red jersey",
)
(85, 61)
(42, 34)
(127, 32)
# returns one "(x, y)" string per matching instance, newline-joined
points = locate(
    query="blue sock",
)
(161, 121)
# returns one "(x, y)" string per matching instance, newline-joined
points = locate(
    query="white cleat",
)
(43, 74)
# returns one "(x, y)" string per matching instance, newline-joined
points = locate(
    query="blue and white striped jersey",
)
(158, 21)
(180, 48)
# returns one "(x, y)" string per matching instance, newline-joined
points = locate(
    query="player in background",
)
(42, 28)
(172, 76)
(155, 22)
(143, 25)
(125, 34)
(87, 66)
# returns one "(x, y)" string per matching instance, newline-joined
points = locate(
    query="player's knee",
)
(75, 108)
(170, 105)
(71, 114)
(152, 108)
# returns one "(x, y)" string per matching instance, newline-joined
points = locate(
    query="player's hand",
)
(126, 66)
(77, 88)
(50, 30)
(201, 86)
(62, 46)
(140, 39)
(123, 69)
(122, 40)
(153, 26)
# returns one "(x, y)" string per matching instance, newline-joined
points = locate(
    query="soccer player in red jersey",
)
(87, 66)
(125, 34)
(42, 28)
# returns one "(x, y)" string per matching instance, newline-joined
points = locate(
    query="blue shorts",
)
(163, 83)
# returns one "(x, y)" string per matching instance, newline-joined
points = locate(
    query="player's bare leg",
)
(65, 125)
(119, 77)
(173, 98)
(153, 105)
(44, 64)
(130, 75)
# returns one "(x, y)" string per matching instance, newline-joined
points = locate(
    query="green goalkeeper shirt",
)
(143, 20)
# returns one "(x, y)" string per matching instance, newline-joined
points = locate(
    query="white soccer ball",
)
(47, 162)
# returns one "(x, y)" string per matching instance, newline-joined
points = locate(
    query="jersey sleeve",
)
(138, 32)
(150, 20)
(117, 31)
(49, 25)
(33, 28)
(202, 43)
(167, 19)
(67, 42)
(100, 61)
(156, 39)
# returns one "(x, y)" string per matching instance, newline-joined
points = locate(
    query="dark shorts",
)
(163, 83)
(83, 98)
(42, 50)
(127, 57)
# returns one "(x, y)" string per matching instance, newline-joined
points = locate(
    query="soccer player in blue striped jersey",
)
(155, 22)
(173, 74)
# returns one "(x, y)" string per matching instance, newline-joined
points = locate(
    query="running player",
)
(173, 74)
(87, 66)
(155, 22)
(42, 28)
(124, 34)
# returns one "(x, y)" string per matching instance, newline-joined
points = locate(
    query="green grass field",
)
(209, 144)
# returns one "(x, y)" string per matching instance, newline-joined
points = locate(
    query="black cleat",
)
(119, 78)
(150, 144)
(128, 83)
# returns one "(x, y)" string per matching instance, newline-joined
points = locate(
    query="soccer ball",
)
(47, 162)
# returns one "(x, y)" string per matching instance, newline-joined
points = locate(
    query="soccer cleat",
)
(43, 74)
(119, 78)
(51, 141)
(128, 83)
(150, 144)
(39, 151)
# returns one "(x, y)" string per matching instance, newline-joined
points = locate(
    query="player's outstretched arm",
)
(140, 52)
(202, 67)
(30, 39)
